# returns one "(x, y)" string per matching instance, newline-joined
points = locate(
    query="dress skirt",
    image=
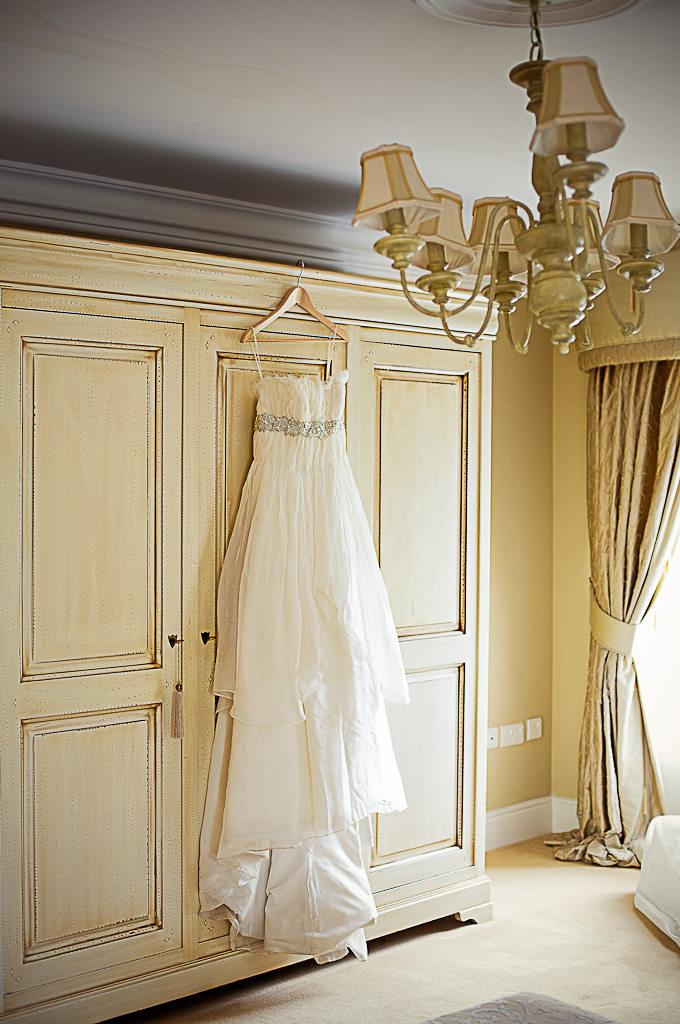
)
(307, 654)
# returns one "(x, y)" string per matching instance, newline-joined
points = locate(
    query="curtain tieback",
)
(614, 634)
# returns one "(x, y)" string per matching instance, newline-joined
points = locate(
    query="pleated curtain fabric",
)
(633, 498)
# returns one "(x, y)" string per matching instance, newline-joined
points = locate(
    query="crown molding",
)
(86, 204)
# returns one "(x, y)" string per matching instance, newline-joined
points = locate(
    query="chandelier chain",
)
(536, 51)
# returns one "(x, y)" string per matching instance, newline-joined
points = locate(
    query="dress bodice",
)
(301, 400)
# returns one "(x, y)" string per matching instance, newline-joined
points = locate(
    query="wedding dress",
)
(307, 654)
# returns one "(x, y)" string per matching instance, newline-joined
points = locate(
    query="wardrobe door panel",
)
(91, 450)
(71, 813)
(91, 778)
(425, 739)
(419, 506)
(420, 481)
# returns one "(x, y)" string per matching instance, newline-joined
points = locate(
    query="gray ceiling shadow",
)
(90, 152)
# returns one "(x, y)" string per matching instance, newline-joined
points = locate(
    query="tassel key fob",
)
(177, 710)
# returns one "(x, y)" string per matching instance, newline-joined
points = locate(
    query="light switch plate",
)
(512, 734)
(534, 728)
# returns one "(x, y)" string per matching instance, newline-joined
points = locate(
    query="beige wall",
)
(539, 549)
(571, 631)
(539, 568)
(520, 656)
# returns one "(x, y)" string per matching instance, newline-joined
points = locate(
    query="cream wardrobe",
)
(127, 414)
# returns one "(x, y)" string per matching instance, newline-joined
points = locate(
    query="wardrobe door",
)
(420, 482)
(91, 778)
(228, 375)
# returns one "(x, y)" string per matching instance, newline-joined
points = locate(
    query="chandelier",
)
(564, 252)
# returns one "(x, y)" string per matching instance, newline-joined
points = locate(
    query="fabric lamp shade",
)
(446, 229)
(481, 211)
(390, 180)
(637, 199)
(573, 94)
(593, 256)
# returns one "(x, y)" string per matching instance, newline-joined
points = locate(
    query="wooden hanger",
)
(297, 296)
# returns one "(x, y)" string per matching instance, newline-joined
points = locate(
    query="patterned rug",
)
(523, 1008)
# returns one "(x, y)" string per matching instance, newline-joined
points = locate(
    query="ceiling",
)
(273, 101)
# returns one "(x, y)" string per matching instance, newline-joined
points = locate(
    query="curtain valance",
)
(619, 353)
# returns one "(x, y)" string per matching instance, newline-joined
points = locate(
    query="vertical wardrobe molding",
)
(126, 427)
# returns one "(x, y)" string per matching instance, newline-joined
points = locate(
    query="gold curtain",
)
(633, 497)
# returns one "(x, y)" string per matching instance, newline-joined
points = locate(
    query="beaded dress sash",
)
(303, 428)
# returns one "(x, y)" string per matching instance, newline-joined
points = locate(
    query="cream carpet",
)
(569, 931)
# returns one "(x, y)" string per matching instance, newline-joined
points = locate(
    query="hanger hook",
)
(301, 264)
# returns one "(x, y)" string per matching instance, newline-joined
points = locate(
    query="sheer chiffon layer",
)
(307, 649)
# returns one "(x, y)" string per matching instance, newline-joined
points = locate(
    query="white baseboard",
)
(532, 818)
(512, 824)
(563, 814)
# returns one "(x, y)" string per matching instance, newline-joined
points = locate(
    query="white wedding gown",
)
(307, 653)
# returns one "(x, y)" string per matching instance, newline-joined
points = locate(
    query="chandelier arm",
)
(641, 312)
(626, 326)
(475, 290)
(527, 210)
(409, 296)
(591, 238)
(445, 314)
(571, 240)
(561, 204)
(495, 229)
(589, 227)
(523, 346)
(494, 265)
(581, 262)
(470, 339)
(508, 217)
(477, 287)
(594, 227)
(490, 229)
(586, 343)
(490, 295)
(448, 312)
(467, 340)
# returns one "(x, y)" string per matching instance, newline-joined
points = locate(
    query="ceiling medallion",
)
(512, 13)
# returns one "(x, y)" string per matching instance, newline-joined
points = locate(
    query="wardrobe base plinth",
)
(469, 900)
(138, 993)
